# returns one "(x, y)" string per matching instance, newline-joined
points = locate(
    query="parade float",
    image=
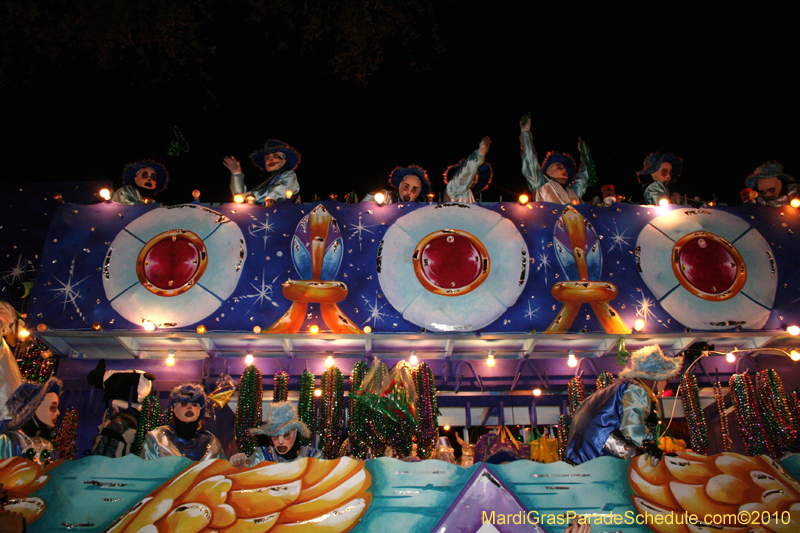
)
(508, 314)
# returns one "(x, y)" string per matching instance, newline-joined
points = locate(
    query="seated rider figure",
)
(277, 438)
(278, 160)
(409, 184)
(33, 408)
(657, 172)
(142, 180)
(614, 420)
(775, 188)
(555, 180)
(470, 176)
(184, 434)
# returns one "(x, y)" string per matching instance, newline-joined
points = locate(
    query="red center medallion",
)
(171, 262)
(451, 262)
(708, 266)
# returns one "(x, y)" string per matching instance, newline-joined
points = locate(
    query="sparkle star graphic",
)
(68, 291)
(374, 310)
(17, 272)
(358, 229)
(644, 308)
(617, 238)
(265, 228)
(531, 313)
(544, 261)
(263, 292)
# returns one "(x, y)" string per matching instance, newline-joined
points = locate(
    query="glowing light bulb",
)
(413, 359)
(23, 333)
(170, 359)
(367, 329)
(446, 428)
(793, 330)
(313, 329)
(105, 194)
(490, 360)
(256, 329)
(537, 392)
(431, 196)
(201, 329)
(730, 357)
(148, 325)
(572, 362)
(663, 202)
(317, 392)
(97, 326)
(238, 198)
(379, 198)
(249, 359)
(638, 325)
(329, 361)
(289, 194)
(795, 202)
(523, 199)
(795, 355)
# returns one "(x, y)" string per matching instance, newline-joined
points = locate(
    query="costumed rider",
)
(184, 434)
(141, 181)
(775, 188)
(277, 438)
(469, 177)
(409, 184)
(555, 180)
(658, 170)
(278, 160)
(10, 376)
(33, 409)
(614, 420)
(126, 389)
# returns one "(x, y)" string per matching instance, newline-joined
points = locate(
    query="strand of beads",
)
(305, 407)
(794, 405)
(778, 420)
(280, 387)
(66, 437)
(756, 440)
(378, 425)
(723, 419)
(332, 412)
(690, 400)
(357, 429)
(248, 408)
(428, 427)
(150, 417)
(604, 380)
(563, 433)
(38, 362)
(576, 392)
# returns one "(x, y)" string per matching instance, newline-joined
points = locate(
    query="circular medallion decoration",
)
(723, 271)
(173, 266)
(172, 262)
(451, 262)
(452, 267)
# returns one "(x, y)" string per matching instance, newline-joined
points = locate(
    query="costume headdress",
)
(653, 162)
(272, 146)
(117, 384)
(485, 174)
(773, 169)
(23, 403)
(281, 417)
(190, 393)
(8, 317)
(651, 363)
(564, 159)
(399, 173)
(162, 176)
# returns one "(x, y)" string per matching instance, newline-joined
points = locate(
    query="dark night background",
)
(708, 82)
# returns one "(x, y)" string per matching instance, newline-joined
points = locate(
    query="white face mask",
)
(146, 178)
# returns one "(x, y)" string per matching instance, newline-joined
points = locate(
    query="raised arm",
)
(237, 178)
(582, 176)
(531, 168)
(458, 188)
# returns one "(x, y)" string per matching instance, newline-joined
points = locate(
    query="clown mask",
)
(284, 442)
(274, 161)
(47, 411)
(558, 172)
(410, 188)
(187, 411)
(146, 178)
(663, 174)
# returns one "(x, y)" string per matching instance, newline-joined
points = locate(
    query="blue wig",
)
(564, 159)
(130, 170)
(26, 398)
(270, 147)
(485, 174)
(397, 175)
(189, 393)
(653, 162)
(773, 169)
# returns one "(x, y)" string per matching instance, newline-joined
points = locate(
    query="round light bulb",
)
(313, 329)
(105, 194)
(795, 202)
(638, 325)
(23, 333)
(523, 199)
(170, 360)
(663, 202)
(446, 428)
(238, 198)
(379, 197)
(256, 329)
(148, 325)
(413, 360)
(329, 361)
(317, 392)
(572, 361)
(537, 392)
(793, 330)
(367, 329)
(201, 329)
(490, 361)
(730, 357)
(249, 359)
(289, 194)
(795, 355)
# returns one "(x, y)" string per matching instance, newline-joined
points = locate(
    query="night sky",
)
(711, 84)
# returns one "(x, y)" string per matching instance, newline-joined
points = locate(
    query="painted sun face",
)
(410, 188)
(558, 172)
(274, 161)
(284, 442)
(187, 411)
(146, 178)
(48, 411)
(663, 174)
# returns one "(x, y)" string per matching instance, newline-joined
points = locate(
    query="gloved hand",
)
(653, 452)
